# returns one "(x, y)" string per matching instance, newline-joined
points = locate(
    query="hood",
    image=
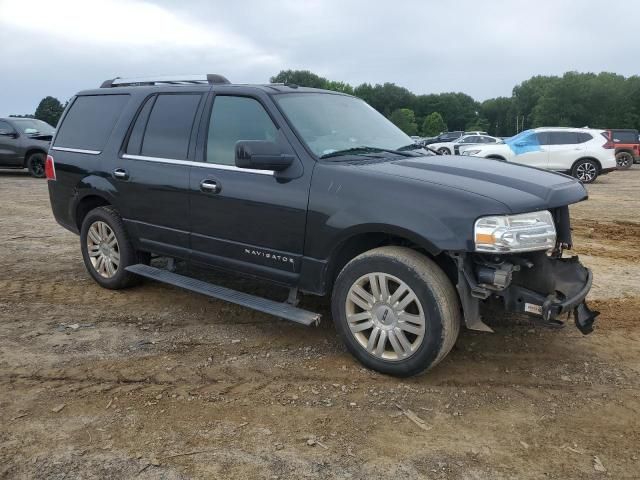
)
(41, 136)
(520, 188)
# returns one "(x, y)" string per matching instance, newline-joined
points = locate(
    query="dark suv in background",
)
(315, 191)
(24, 143)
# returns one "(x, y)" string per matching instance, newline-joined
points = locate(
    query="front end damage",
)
(544, 284)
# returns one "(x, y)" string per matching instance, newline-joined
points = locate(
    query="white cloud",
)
(57, 47)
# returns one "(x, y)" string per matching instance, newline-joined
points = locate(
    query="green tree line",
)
(604, 100)
(49, 110)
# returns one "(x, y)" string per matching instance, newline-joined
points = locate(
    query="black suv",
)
(316, 191)
(24, 143)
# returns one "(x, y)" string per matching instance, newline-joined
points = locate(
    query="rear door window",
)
(89, 122)
(563, 138)
(168, 130)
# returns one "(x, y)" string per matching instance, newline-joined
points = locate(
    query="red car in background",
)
(627, 145)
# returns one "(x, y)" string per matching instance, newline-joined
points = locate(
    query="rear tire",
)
(624, 160)
(107, 249)
(404, 295)
(585, 170)
(35, 165)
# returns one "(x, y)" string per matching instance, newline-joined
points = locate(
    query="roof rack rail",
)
(208, 79)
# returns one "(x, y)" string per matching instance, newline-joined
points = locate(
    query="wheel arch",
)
(30, 152)
(358, 242)
(593, 159)
(85, 205)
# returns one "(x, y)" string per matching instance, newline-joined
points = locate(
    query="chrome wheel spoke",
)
(401, 290)
(404, 342)
(110, 268)
(404, 303)
(111, 240)
(382, 343)
(372, 339)
(374, 282)
(395, 344)
(93, 234)
(359, 327)
(358, 317)
(359, 301)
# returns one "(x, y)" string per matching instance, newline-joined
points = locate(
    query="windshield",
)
(330, 123)
(32, 126)
(520, 137)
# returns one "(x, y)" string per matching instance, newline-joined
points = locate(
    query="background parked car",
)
(627, 146)
(582, 152)
(24, 143)
(463, 143)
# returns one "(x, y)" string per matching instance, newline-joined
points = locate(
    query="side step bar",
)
(278, 309)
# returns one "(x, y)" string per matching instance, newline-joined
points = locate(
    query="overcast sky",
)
(483, 48)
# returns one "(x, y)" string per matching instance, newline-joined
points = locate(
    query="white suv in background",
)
(463, 143)
(584, 153)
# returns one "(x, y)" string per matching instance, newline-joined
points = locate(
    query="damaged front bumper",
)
(537, 284)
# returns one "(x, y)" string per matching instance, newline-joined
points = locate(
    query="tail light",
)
(609, 144)
(50, 168)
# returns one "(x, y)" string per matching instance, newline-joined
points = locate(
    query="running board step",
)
(278, 309)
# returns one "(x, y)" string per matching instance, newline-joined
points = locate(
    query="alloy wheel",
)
(624, 159)
(37, 166)
(385, 316)
(102, 246)
(586, 172)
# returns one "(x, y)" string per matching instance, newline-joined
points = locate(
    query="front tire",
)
(586, 170)
(107, 249)
(444, 151)
(396, 311)
(35, 165)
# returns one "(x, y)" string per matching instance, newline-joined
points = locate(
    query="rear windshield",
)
(89, 122)
(625, 136)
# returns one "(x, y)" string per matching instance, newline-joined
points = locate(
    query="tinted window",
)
(584, 137)
(89, 122)
(563, 138)
(488, 140)
(447, 137)
(233, 119)
(31, 126)
(543, 138)
(624, 136)
(4, 126)
(135, 139)
(169, 126)
(472, 139)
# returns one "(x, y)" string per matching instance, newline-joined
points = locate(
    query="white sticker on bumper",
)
(533, 308)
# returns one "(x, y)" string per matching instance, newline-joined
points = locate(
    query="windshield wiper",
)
(363, 149)
(417, 146)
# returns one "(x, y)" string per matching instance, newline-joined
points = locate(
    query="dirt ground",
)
(158, 383)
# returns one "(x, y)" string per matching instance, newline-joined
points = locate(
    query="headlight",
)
(515, 233)
(470, 152)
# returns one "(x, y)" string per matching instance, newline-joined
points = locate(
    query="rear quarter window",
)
(89, 122)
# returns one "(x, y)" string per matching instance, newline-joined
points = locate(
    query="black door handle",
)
(121, 174)
(210, 186)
